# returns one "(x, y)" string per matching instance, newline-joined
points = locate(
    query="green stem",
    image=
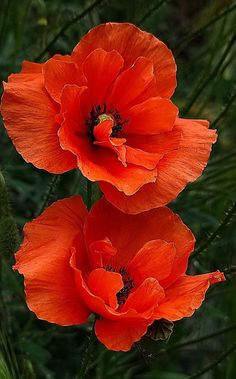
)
(87, 353)
(67, 26)
(49, 194)
(229, 214)
(209, 367)
(224, 111)
(150, 12)
(212, 75)
(181, 45)
(89, 194)
(197, 340)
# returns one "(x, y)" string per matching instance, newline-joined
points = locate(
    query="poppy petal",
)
(31, 67)
(131, 43)
(102, 133)
(49, 282)
(100, 69)
(159, 143)
(102, 164)
(175, 170)
(71, 113)
(132, 83)
(186, 295)
(105, 284)
(100, 252)
(129, 233)
(96, 303)
(155, 259)
(120, 335)
(142, 158)
(145, 297)
(29, 117)
(57, 74)
(153, 116)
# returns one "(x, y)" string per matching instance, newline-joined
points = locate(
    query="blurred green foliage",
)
(202, 37)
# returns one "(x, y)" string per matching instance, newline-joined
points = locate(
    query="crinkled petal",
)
(105, 284)
(101, 68)
(71, 112)
(99, 163)
(58, 73)
(96, 303)
(145, 297)
(100, 252)
(102, 133)
(131, 43)
(175, 170)
(29, 117)
(120, 335)
(44, 260)
(129, 233)
(142, 158)
(153, 116)
(155, 259)
(186, 295)
(132, 86)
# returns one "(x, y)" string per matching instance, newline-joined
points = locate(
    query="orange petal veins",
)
(100, 252)
(186, 295)
(44, 259)
(131, 85)
(142, 158)
(57, 74)
(101, 69)
(145, 297)
(155, 259)
(102, 164)
(96, 303)
(129, 233)
(29, 117)
(153, 116)
(106, 285)
(115, 36)
(30, 68)
(120, 335)
(176, 169)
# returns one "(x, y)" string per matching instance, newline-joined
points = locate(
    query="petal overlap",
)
(106, 110)
(128, 270)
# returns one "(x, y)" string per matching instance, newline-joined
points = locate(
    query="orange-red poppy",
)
(127, 269)
(106, 109)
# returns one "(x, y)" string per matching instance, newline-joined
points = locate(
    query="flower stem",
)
(213, 364)
(49, 194)
(230, 213)
(67, 26)
(190, 36)
(87, 353)
(89, 194)
(197, 340)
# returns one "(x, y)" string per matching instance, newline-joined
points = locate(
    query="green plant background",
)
(202, 37)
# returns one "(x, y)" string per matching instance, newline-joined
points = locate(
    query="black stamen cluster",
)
(123, 294)
(93, 120)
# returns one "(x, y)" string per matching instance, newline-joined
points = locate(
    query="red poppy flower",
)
(106, 109)
(127, 269)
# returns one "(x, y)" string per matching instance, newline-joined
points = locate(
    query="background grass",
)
(202, 37)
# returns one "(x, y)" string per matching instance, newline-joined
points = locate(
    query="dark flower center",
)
(123, 294)
(100, 113)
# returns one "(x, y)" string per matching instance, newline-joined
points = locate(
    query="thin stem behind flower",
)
(87, 353)
(220, 358)
(67, 26)
(229, 215)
